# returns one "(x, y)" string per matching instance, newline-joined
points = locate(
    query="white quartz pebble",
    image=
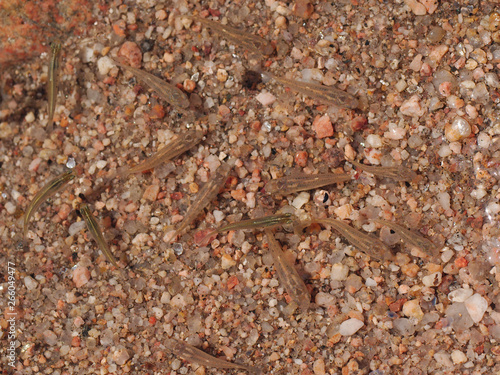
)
(350, 327)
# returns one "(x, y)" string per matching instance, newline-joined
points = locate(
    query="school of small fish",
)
(287, 273)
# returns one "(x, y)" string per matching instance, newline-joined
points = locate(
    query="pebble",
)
(303, 8)
(458, 357)
(50, 337)
(30, 283)
(151, 192)
(374, 141)
(76, 227)
(227, 262)
(120, 355)
(416, 7)
(265, 98)
(323, 127)
(325, 299)
(459, 317)
(81, 276)
(412, 107)
(132, 53)
(339, 272)
(104, 65)
(350, 327)
(319, 367)
(404, 326)
(443, 359)
(476, 306)
(301, 200)
(433, 279)
(5, 130)
(460, 295)
(10, 207)
(457, 130)
(412, 309)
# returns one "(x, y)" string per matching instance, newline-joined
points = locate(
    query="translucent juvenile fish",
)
(96, 233)
(287, 274)
(365, 243)
(412, 238)
(53, 83)
(239, 37)
(261, 222)
(301, 181)
(194, 355)
(164, 90)
(326, 94)
(207, 194)
(399, 173)
(171, 150)
(51, 188)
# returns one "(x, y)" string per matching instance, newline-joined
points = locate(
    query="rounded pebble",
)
(457, 130)
(350, 327)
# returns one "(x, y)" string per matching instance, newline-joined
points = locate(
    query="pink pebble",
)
(81, 276)
(151, 192)
(34, 164)
(265, 98)
(412, 107)
(323, 126)
(64, 211)
(132, 53)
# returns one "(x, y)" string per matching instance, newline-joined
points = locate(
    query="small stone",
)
(50, 337)
(460, 295)
(344, 211)
(412, 107)
(301, 200)
(459, 129)
(303, 9)
(227, 262)
(437, 53)
(374, 141)
(323, 126)
(151, 192)
(76, 227)
(412, 309)
(353, 283)
(339, 272)
(458, 357)
(319, 367)
(432, 280)
(324, 299)
(30, 283)
(5, 130)
(81, 276)
(265, 98)
(178, 301)
(30, 117)
(161, 15)
(404, 326)
(410, 269)
(476, 306)
(104, 65)
(459, 317)
(417, 8)
(443, 359)
(120, 355)
(132, 53)
(350, 327)
(189, 85)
